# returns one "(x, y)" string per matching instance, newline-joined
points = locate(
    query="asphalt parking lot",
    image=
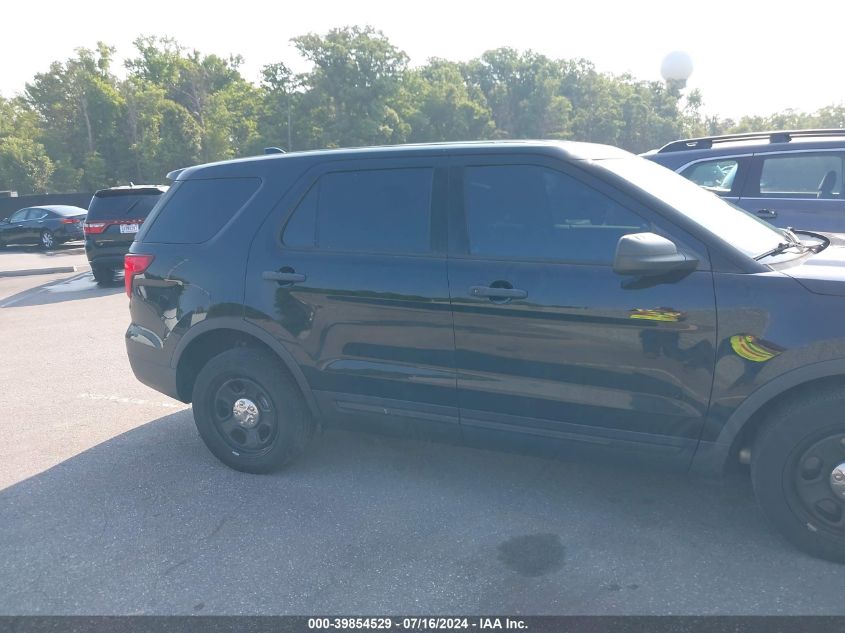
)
(110, 504)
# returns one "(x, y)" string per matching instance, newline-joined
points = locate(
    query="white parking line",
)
(138, 401)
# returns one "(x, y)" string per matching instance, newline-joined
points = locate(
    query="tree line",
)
(78, 127)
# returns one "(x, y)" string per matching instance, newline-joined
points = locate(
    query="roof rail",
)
(773, 136)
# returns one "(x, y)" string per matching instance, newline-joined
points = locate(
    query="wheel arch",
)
(216, 335)
(717, 458)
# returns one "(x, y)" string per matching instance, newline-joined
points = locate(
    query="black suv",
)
(539, 295)
(114, 217)
(789, 178)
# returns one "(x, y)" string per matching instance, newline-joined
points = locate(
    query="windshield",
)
(744, 231)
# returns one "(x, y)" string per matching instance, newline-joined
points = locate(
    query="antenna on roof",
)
(273, 150)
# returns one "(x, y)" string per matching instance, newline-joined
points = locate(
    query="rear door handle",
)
(497, 293)
(284, 277)
(767, 213)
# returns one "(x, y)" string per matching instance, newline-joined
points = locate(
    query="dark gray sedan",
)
(46, 225)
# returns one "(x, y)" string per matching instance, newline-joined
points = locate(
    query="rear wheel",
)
(798, 472)
(249, 412)
(47, 241)
(103, 275)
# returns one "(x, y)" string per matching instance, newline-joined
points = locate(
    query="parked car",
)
(789, 178)
(114, 217)
(46, 225)
(540, 295)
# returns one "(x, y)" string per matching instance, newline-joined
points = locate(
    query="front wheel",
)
(249, 412)
(798, 472)
(47, 241)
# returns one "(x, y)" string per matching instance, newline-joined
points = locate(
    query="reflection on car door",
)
(551, 344)
(798, 189)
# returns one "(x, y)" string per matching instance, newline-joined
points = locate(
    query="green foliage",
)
(352, 89)
(24, 165)
(78, 126)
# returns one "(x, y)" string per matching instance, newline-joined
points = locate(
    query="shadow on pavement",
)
(78, 287)
(150, 522)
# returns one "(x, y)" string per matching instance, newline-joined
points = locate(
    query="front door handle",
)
(767, 213)
(492, 292)
(283, 276)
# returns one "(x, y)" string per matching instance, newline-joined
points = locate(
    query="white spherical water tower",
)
(676, 68)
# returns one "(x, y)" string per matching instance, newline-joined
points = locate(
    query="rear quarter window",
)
(196, 210)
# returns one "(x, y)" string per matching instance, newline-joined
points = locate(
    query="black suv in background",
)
(114, 217)
(789, 178)
(562, 297)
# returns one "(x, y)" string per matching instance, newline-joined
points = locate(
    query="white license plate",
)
(128, 228)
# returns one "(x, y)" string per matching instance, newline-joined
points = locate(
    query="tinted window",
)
(301, 229)
(529, 212)
(716, 175)
(198, 209)
(37, 214)
(18, 216)
(802, 176)
(129, 206)
(377, 211)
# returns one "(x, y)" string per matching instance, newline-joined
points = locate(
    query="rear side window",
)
(375, 211)
(198, 209)
(122, 207)
(802, 176)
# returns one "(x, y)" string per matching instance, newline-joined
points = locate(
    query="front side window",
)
(18, 216)
(531, 212)
(802, 176)
(375, 211)
(716, 175)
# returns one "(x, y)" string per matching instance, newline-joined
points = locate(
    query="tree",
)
(439, 106)
(350, 94)
(79, 108)
(24, 166)
(195, 82)
(523, 93)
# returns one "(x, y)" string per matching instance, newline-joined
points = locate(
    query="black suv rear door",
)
(349, 274)
(551, 344)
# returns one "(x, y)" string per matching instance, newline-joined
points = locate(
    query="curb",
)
(42, 271)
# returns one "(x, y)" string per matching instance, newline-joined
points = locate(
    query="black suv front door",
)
(551, 344)
(349, 274)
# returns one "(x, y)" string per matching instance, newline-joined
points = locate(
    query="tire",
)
(46, 240)
(793, 469)
(103, 275)
(283, 425)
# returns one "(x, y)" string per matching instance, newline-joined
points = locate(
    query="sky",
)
(749, 57)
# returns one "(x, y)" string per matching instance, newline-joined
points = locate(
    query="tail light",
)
(94, 228)
(134, 265)
(69, 221)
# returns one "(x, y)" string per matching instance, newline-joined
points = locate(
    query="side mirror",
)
(649, 254)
